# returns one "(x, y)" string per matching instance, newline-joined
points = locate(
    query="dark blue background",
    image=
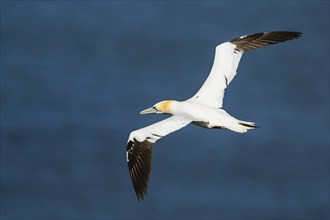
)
(75, 74)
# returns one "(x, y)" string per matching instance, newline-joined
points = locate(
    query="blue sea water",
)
(75, 75)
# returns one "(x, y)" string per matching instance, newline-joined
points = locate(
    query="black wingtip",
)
(139, 155)
(253, 41)
(287, 35)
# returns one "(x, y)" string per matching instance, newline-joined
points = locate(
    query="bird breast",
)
(197, 112)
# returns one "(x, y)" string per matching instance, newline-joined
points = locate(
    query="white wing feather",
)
(226, 60)
(155, 131)
(223, 71)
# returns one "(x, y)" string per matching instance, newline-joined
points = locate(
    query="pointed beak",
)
(149, 111)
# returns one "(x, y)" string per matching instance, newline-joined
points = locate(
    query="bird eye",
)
(154, 107)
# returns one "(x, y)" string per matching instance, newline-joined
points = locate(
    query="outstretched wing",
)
(226, 60)
(139, 150)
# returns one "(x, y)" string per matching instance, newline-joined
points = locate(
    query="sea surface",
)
(76, 74)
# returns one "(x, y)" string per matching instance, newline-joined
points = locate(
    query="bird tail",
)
(243, 126)
(248, 125)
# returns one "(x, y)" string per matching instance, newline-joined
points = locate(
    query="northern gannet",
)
(203, 109)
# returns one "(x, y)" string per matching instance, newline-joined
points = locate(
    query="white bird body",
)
(207, 116)
(203, 109)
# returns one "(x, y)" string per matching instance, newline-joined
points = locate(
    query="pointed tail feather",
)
(248, 125)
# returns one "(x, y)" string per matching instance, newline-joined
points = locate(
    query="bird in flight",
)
(204, 109)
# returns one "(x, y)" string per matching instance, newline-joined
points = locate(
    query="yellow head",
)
(163, 107)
